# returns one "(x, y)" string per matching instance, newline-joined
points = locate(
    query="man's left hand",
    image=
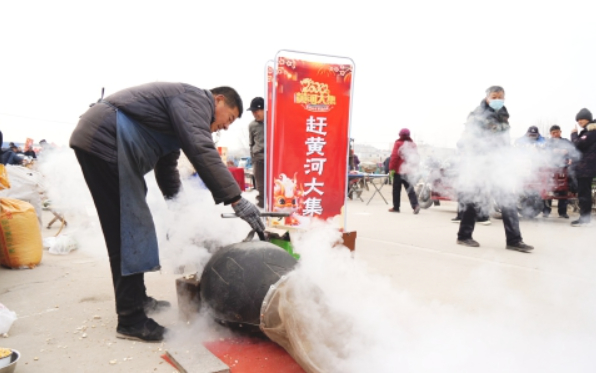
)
(249, 213)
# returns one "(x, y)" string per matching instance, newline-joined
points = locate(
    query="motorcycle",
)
(435, 184)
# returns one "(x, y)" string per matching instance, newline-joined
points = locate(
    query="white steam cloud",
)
(360, 321)
(187, 227)
(490, 171)
(356, 321)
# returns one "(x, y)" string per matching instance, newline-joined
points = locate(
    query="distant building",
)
(370, 153)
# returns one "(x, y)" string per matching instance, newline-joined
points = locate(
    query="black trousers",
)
(561, 206)
(481, 211)
(510, 221)
(584, 196)
(258, 168)
(102, 180)
(398, 180)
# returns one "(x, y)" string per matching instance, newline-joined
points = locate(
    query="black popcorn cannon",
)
(236, 279)
(252, 285)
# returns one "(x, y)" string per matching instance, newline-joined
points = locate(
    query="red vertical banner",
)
(269, 77)
(309, 136)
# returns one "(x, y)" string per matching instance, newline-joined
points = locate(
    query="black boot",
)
(468, 242)
(520, 246)
(146, 330)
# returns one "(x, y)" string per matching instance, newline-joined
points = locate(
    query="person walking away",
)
(585, 170)
(123, 137)
(256, 140)
(563, 155)
(486, 136)
(404, 162)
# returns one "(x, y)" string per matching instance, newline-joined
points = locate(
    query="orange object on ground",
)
(20, 238)
(253, 355)
(170, 360)
(4, 183)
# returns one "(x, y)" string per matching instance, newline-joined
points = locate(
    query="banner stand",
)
(308, 112)
(282, 237)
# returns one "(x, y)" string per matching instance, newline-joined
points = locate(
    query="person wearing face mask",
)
(128, 134)
(585, 169)
(483, 144)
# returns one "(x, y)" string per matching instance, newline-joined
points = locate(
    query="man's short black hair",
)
(232, 98)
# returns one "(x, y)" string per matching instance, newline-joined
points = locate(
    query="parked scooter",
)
(436, 184)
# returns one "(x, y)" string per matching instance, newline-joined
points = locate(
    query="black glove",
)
(250, 214)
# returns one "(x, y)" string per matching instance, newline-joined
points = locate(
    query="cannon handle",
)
(251, 234)
(263, 215)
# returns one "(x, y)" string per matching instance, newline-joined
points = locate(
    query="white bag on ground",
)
(26, 185)
(7, 317)
(60, 245)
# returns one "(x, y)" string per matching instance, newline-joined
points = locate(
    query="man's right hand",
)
(249, 213)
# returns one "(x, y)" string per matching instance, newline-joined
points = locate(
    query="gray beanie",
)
(584, 114)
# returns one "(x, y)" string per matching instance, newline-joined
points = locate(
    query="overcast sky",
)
(419, 64)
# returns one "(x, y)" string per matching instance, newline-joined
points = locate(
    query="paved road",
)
(66, 316)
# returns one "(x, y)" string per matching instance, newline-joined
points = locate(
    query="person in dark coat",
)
(563, 154)
(256, 141)
(585, 169)
(9, 156)
(404, 161)
(126, 135)
(386, 169)
(486, 134)
(356, 162)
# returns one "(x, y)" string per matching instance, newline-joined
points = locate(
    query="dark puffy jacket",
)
(485, 129)
(585, 142)
(562, 151)
(173, 108)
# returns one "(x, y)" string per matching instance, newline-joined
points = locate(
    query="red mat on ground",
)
(253, 355)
